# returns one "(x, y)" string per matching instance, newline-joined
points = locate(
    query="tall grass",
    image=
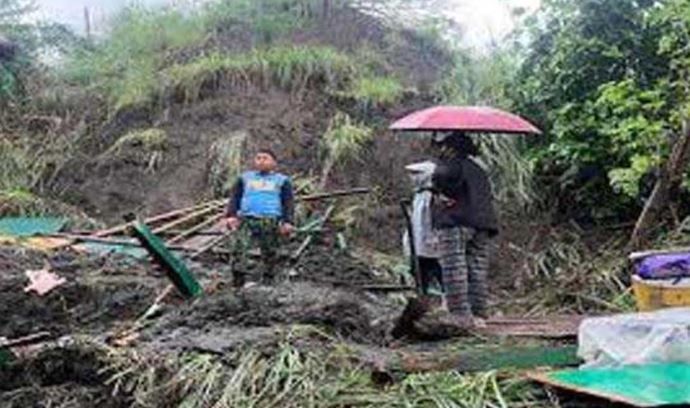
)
(372, 91)
(268, 20)
(343, 141)
(144, 146)
(18, 166)
(124, 66)
(511, 172)
(225, 161)
(291, 67)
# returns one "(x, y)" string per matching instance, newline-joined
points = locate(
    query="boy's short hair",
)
(266, 150)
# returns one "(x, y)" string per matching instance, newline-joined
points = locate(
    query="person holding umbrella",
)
(463, 209)
(463, 213)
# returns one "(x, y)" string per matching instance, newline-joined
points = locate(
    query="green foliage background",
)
(607, 80)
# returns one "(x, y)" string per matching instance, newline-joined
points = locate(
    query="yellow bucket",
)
(659, 294)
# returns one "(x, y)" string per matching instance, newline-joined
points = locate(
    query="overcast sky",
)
(484, 20)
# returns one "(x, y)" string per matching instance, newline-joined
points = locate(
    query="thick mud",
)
(93, 299)
(229, 319)
(65, 377)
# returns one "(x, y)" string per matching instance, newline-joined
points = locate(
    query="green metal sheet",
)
(30, 226)
(175, 269)
(643, 386)
(519, 358)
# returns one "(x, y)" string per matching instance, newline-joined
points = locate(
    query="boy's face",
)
(264, 162)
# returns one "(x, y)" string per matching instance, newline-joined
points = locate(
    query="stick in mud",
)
(26, 340)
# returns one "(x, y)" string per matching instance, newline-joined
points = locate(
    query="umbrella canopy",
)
(465, 118)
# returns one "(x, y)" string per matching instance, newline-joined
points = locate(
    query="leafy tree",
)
(605, 79)
(22, 42)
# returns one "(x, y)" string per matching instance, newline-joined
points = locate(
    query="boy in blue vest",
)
(260, 210)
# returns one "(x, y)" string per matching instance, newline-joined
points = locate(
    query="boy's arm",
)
(235, 199)
(287, 200)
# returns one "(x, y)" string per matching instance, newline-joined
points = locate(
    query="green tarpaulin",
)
(643, 386)
(105, 249)
(30, 226)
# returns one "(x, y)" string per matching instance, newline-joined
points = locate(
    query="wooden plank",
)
(210, 245)
(553, 327)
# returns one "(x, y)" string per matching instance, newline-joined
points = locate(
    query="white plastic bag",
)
(639, 338)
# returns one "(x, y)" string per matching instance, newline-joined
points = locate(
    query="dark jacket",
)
(465, 182)
(286, 198)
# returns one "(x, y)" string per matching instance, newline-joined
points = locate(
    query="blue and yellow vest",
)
(261, 196)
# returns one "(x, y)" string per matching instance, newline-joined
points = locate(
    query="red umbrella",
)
(467, 118)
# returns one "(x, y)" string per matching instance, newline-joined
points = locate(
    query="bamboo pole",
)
(194, 229)
(186, 218)
(161, 217)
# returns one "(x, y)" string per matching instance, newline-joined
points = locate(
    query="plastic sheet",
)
(664, 266)
(632, 339)
(426, 239)
(30, 226)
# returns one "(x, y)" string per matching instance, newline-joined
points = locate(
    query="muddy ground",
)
(96, 319)
(105, 297)
(98, 294)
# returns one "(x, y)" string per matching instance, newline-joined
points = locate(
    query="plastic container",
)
(661, 293)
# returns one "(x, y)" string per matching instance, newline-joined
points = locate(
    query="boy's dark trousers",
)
(255, 232)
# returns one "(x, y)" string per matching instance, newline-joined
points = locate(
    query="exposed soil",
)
(65, 377)
(345, 314)
(83, 304)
